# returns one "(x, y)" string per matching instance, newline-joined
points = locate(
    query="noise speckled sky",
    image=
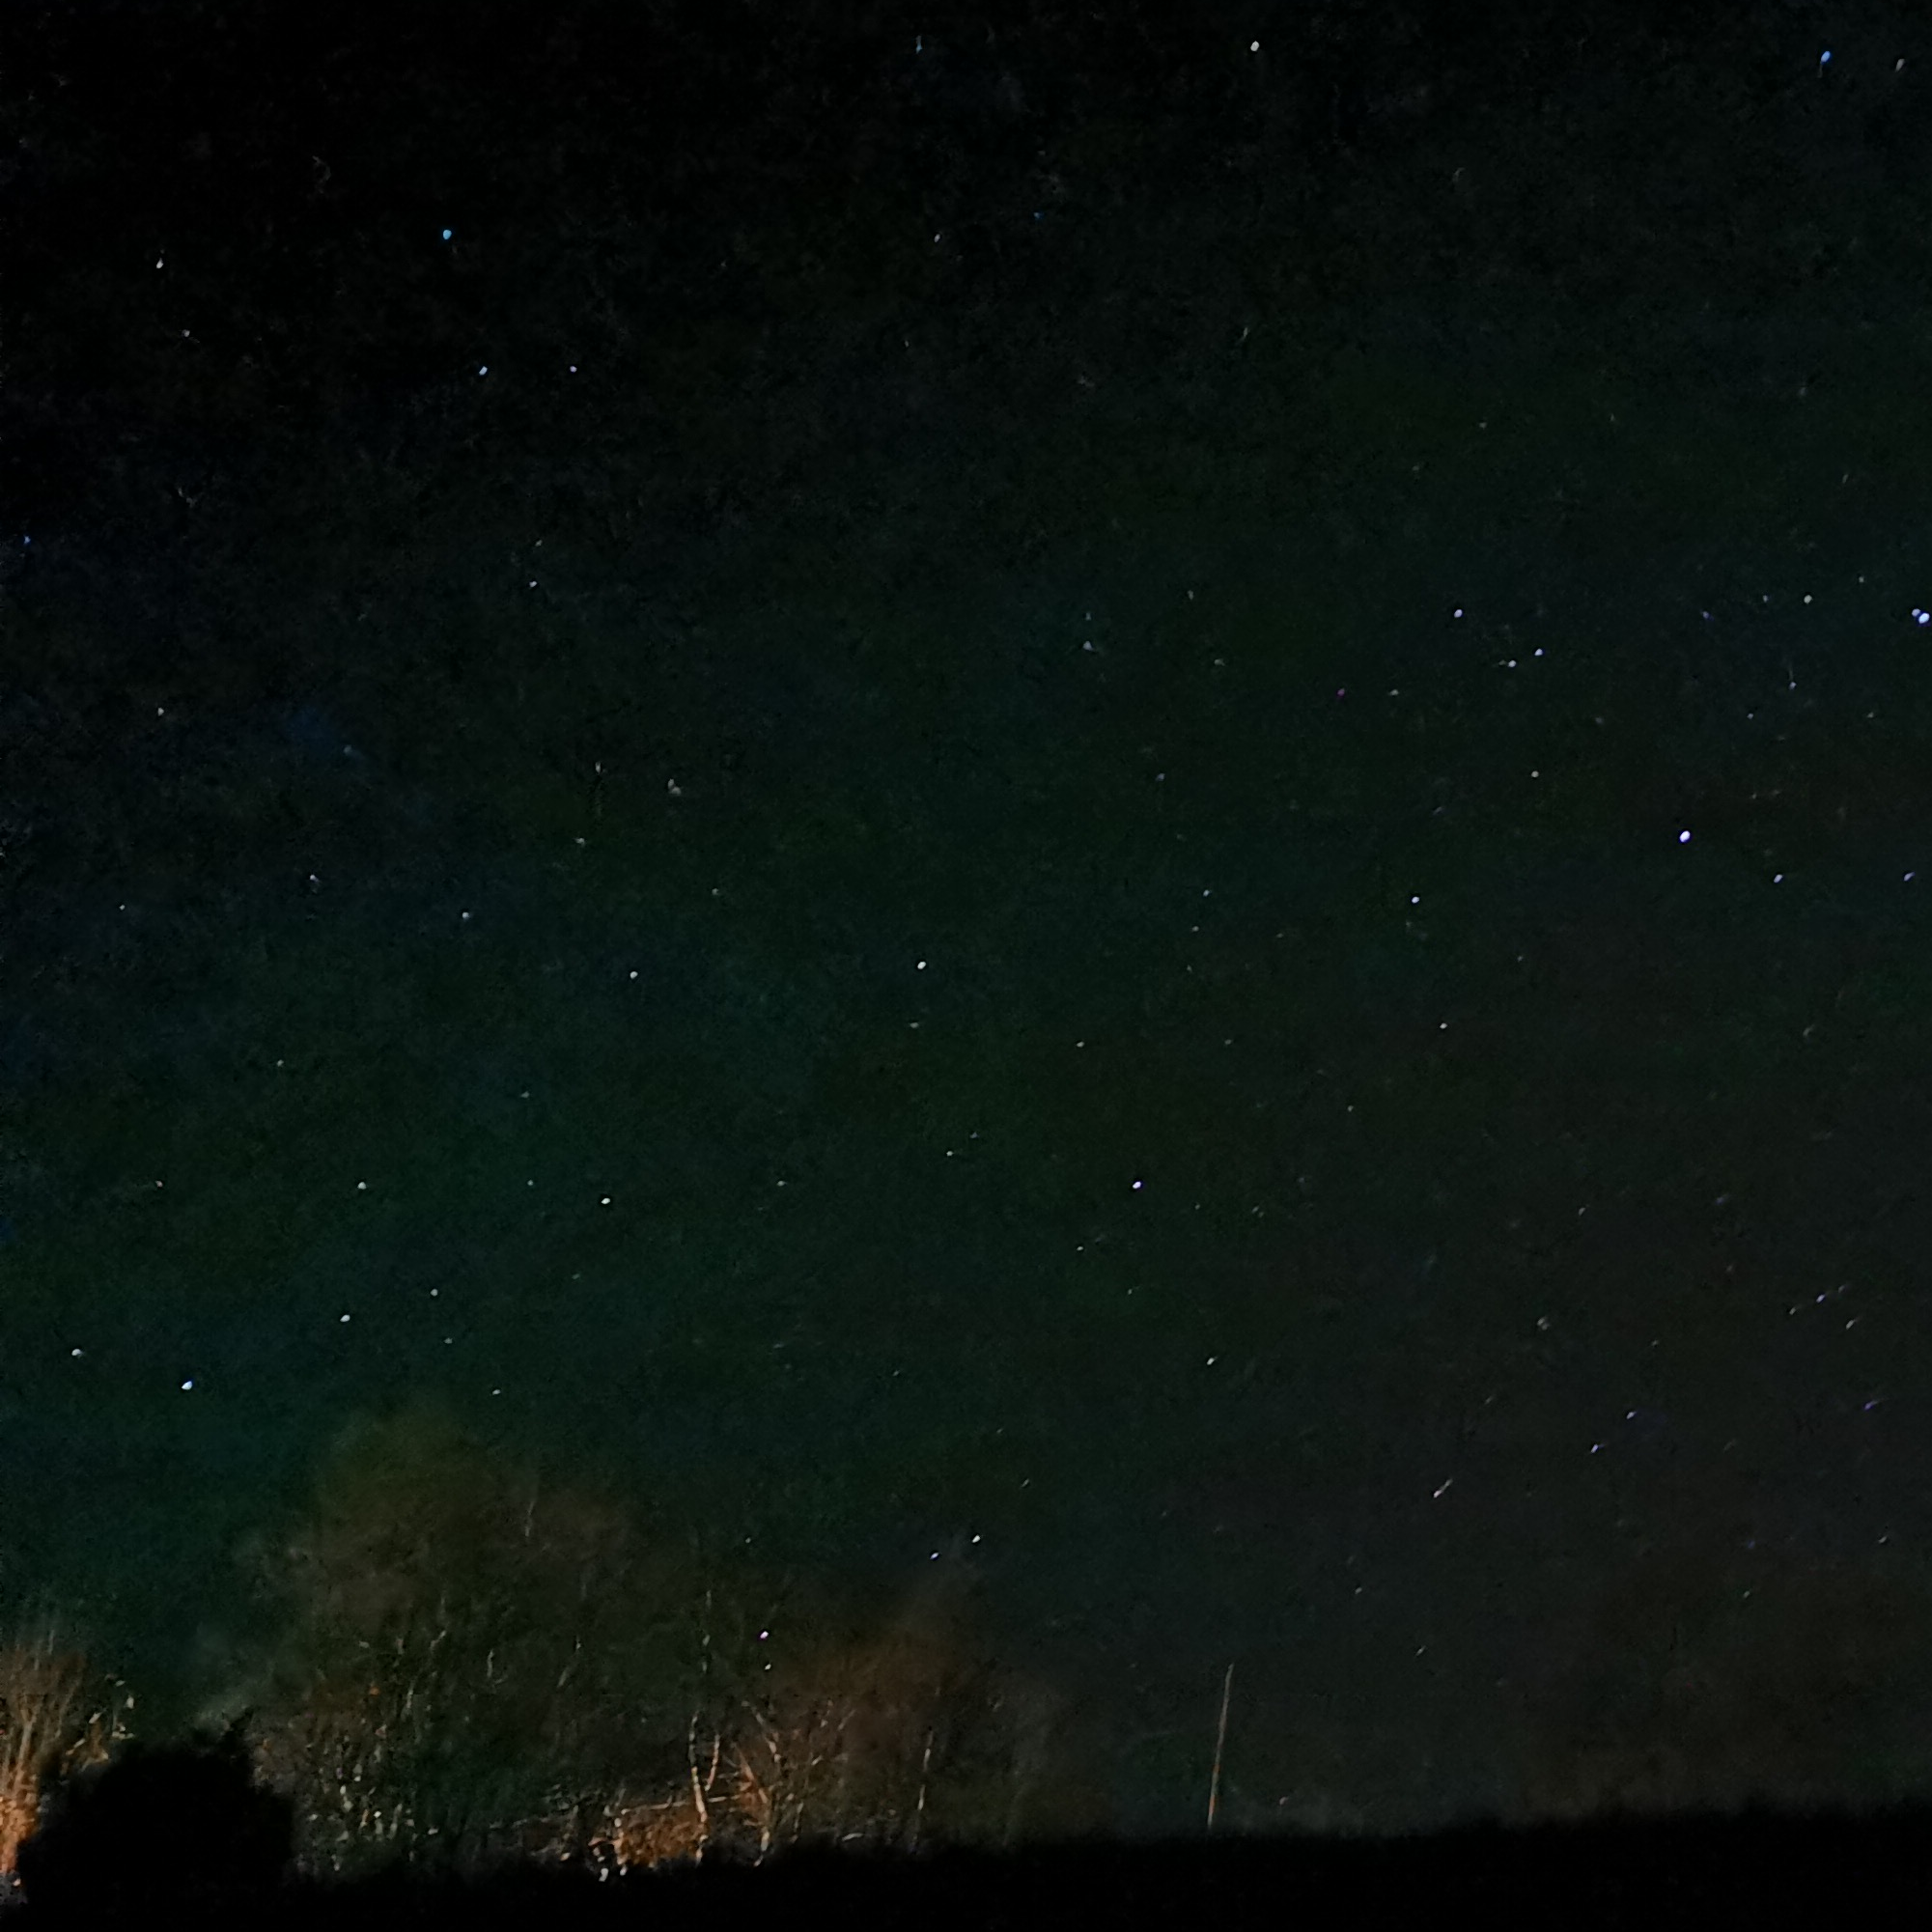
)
(1269, 960)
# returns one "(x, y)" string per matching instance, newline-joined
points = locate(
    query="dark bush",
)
(177, 1828)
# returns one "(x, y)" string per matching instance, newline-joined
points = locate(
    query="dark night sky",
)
(895, 775)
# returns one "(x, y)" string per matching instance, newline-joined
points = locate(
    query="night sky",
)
(1142, 807)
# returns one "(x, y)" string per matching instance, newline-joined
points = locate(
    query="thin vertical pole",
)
(1220, 1740)
(925, 1766)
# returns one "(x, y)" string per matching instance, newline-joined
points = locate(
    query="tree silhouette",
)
(1697, 1681)
(816, 1722)
(183, 1829)
(471, 1661)
(464, 1648)
(904, 1732)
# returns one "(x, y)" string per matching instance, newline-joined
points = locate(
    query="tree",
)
(471, 1660)
(181, 1831)
(904, 1733)
(463, 1649)
(814, 1721)
(56, 1718)
(1695, 1682)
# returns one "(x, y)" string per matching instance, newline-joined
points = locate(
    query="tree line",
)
(463, 1660)
(460, 1661)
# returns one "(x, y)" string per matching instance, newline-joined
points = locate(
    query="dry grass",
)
(668, 1832)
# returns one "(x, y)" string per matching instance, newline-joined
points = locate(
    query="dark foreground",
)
(179, 1838)
(1752, 1872)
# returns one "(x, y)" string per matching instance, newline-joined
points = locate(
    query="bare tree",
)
(1700, 1683)
(468, 1655)
(50, 1726)
(472, 1659)
(905, 1733)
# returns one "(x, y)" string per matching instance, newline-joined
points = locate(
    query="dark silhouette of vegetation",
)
(478, 1677)
(1700, 1679)
(466, 1658)
(475, 1670)
(179, 1837)
(158, 1830)
(460, 1648)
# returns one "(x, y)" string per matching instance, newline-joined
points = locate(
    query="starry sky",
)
(1166, 827)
